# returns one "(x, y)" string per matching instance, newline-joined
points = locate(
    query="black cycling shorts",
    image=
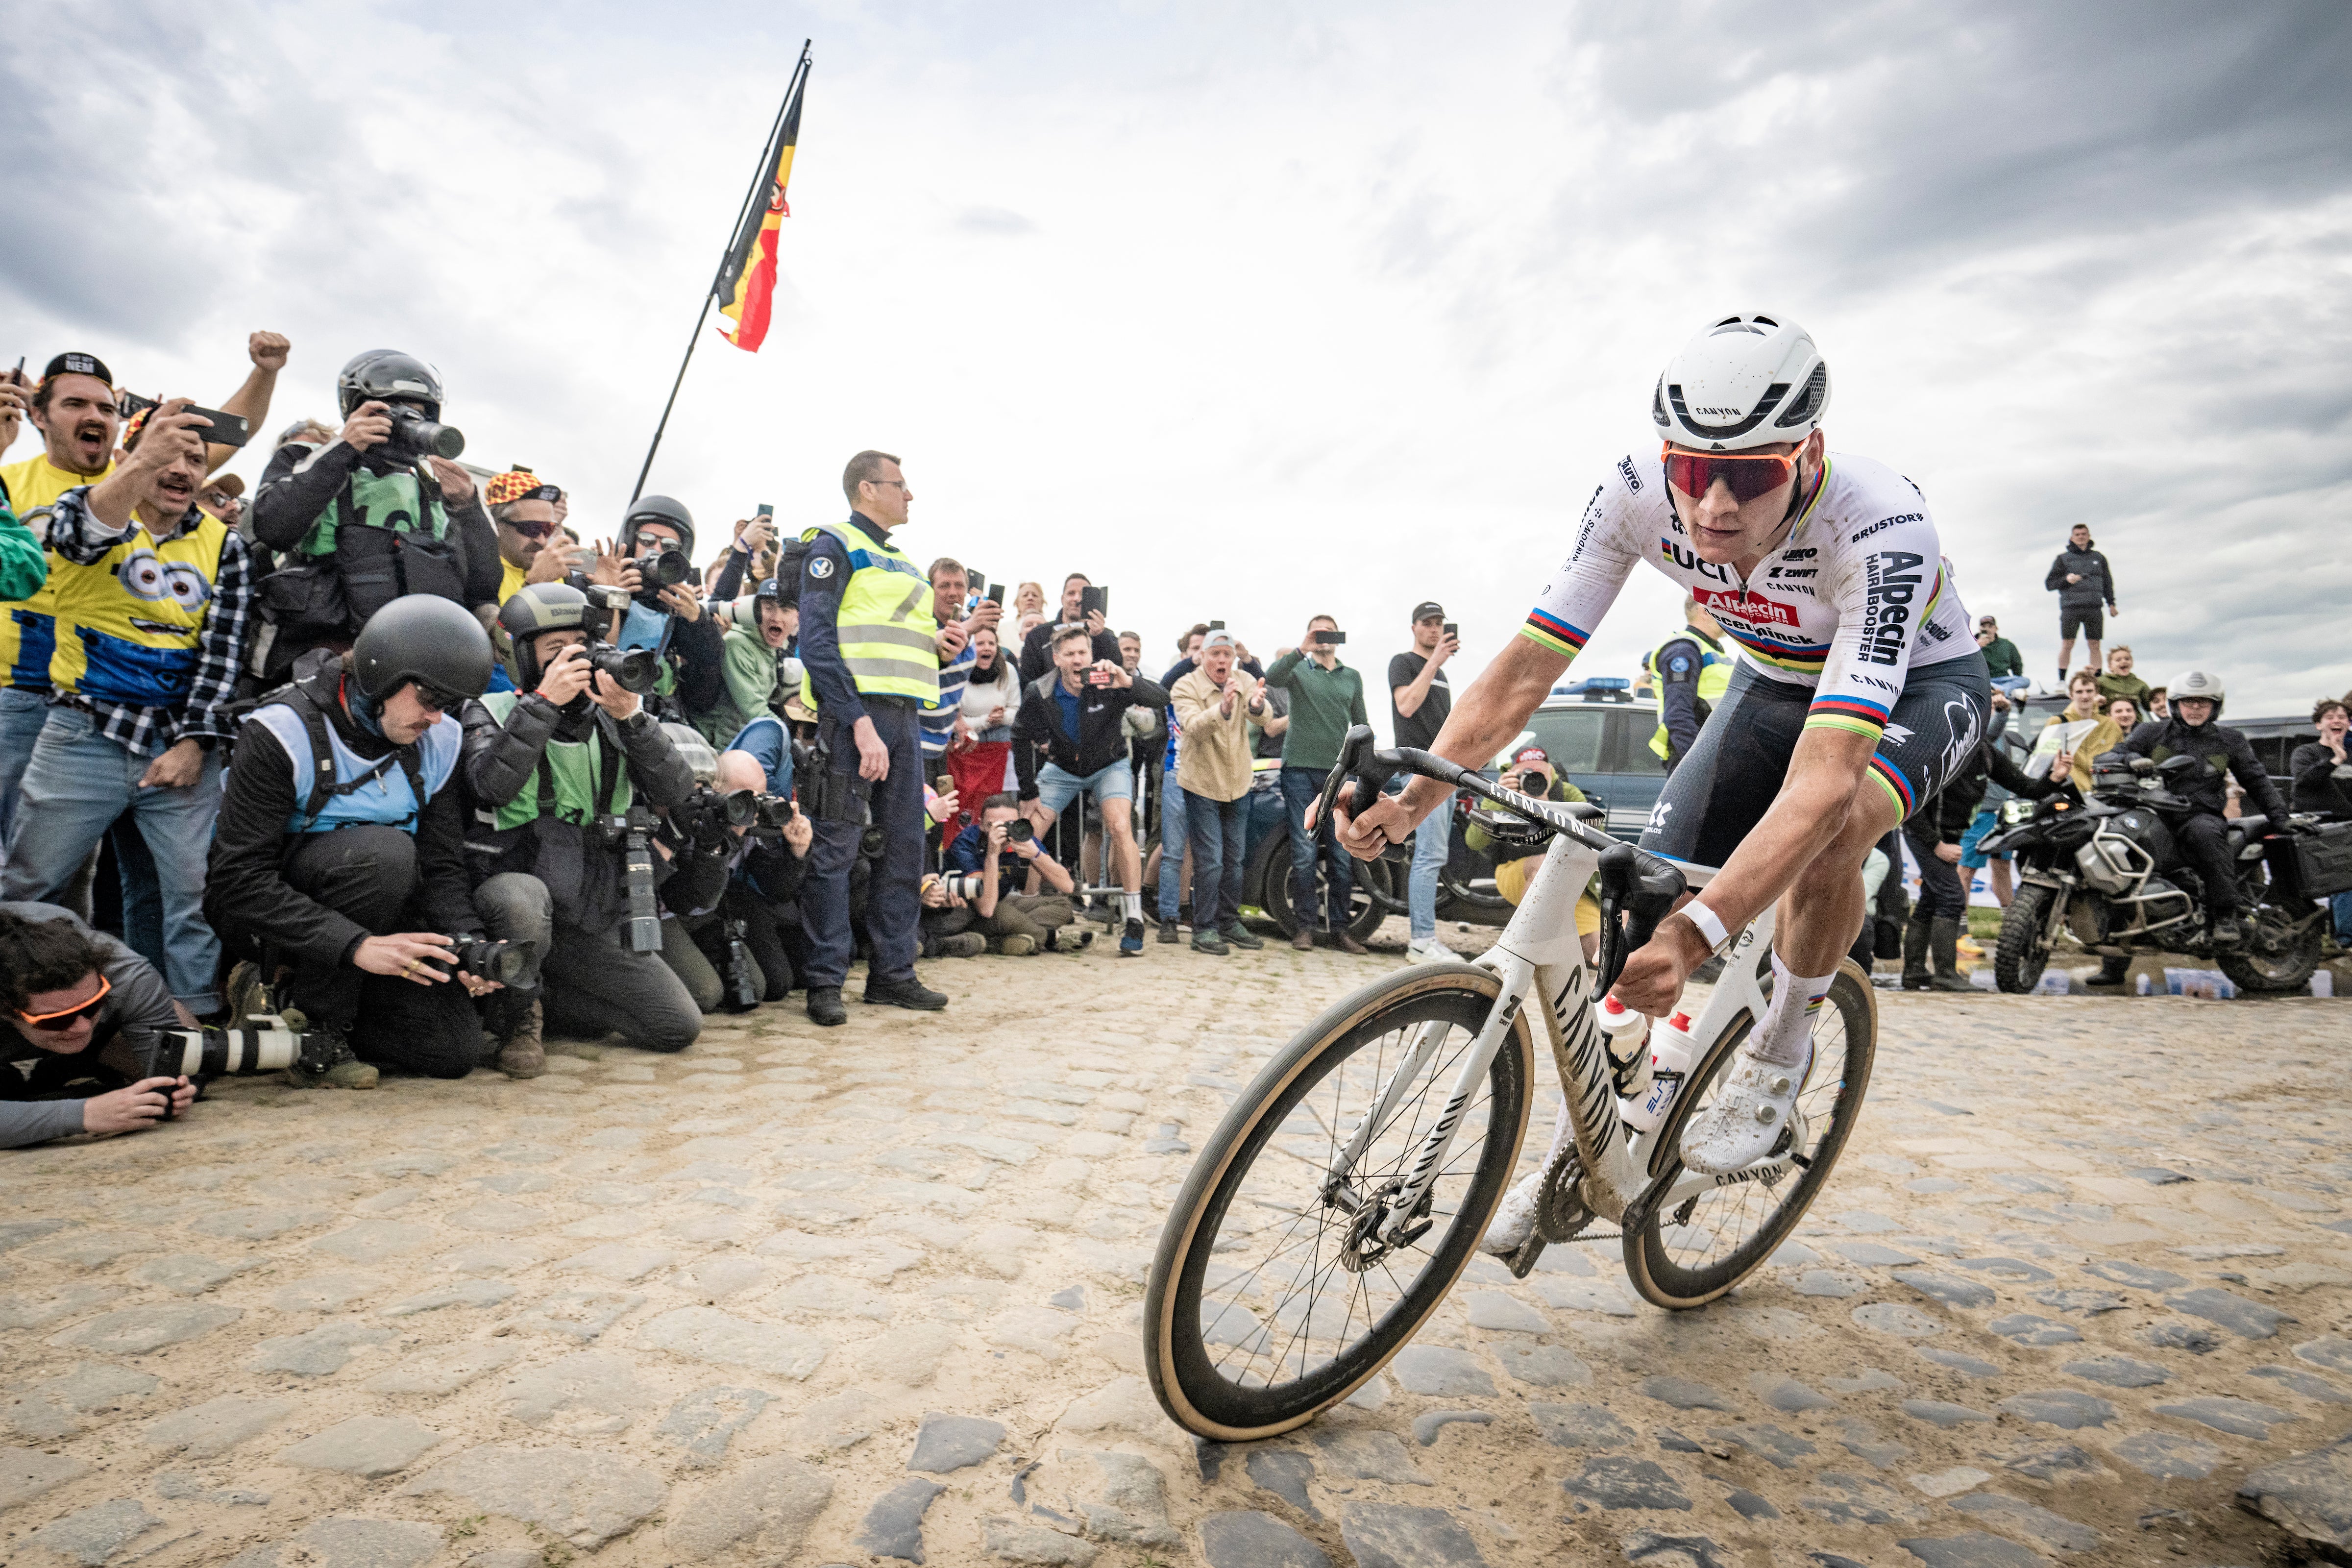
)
(2091, 624)
(1721, 791)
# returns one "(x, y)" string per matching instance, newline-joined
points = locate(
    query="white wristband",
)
(1709, 927)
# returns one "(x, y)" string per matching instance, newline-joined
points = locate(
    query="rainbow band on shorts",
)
(1889, 777)
(1551, 632)
(1855, 715)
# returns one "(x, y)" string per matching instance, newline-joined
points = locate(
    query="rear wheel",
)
(2023, 951)
(1270, 1297)
(2276, 957)
(1685, 1252)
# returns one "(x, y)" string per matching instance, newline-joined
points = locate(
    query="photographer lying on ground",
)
(77, 1000)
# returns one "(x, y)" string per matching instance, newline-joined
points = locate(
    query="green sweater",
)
(752, 686)
(2002, 657)
(1323, 704)
(23, 565)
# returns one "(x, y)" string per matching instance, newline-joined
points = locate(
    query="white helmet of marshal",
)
(2197, 683)
(1745, 381)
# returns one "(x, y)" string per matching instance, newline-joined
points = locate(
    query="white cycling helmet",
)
(2197, 683)
(1745, 381)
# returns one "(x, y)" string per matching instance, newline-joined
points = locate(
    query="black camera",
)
(632, 669)
(415, 437)
(772, 811)
(1020, 830)
(243, 1052)
(486, 960)
(1535, 782)
(666, 567)
(633, 834)
(740, 996)
(707, 814)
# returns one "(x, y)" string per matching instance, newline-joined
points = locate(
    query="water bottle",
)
(1671, 1051)
(1622, 1033)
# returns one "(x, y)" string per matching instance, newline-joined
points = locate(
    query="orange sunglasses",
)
(59, 1022)
(1749, 474)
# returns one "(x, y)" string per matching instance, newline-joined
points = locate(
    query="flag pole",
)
(760, 182)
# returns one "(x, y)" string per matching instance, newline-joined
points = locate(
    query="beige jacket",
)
(1214, 758)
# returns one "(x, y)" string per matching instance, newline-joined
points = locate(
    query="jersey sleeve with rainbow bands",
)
(1581, 589)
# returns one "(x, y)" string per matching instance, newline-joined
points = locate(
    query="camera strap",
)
(608, 774)
(324, 786)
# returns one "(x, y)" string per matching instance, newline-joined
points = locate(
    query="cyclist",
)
(1862, 693)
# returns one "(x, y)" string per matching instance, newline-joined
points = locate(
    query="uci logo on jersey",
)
(1689, 562)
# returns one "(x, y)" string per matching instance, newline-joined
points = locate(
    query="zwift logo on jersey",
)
(1754, 609)
(1689, 562)
(1893, 581)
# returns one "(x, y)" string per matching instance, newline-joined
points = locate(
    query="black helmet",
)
(658, 508)
(539, 607)
(426, 638)
(380, 375)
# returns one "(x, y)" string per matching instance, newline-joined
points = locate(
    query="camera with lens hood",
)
(485, 959)
(632, 669)
(708, 814)
(415, 437)
(964, 884)
(665, 567)
(262, 1044)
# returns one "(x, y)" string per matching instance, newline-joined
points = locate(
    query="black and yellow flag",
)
(747, 281)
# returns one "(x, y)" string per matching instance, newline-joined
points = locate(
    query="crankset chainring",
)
(1560, 1209)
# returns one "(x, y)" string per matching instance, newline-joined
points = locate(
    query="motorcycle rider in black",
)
(2196, 699)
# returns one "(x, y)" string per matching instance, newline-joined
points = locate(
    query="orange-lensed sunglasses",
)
(1749, 474)
(58, 1022)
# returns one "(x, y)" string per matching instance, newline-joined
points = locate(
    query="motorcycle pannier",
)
(2313, 865)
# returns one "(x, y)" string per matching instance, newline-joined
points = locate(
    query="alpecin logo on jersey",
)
(1894, 581)
(1752, 609)
(1625, 471)
(1688, 560)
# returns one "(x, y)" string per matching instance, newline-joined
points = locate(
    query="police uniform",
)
(867, 650)
(1690, 672)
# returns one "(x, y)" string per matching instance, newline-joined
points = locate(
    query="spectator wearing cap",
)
(152, 606)
(2002, 657)
(75, 408)
(1215, 703)
(522, 505)
(1419, 700)
(1325, 699)
(222, 497)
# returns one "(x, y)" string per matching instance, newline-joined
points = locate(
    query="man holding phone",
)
(1083, 604)
(1326, 698)
(1419, 699)
(1077, 718)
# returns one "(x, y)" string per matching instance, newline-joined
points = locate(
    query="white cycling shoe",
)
(1515, 1217)
(1746, 1118)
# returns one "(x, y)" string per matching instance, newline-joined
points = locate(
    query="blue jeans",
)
(22, 714)
(78, 783)
(1299, 788)
(1174, 838)
(1217, 837)
(1431, 842)
(2013, 684)
(2340, 906)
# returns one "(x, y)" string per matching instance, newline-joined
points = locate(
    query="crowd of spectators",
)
(394, 751)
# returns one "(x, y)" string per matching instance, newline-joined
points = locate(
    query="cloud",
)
(1309, 310)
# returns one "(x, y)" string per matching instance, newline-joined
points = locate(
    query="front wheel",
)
(1272, 1296)
(2023, 951)
(1689, 1239)
(2276, 957)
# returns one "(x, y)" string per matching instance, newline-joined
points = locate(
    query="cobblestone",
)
(657, 1326)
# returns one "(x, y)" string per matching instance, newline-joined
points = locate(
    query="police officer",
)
(871, 652)
(367, 517)
(2192, 730)
(1689, 673)
(340, 851)
(561, 771)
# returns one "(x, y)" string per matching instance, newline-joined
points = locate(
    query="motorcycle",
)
(2107, 868)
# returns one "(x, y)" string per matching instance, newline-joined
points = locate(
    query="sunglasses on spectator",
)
(1749, 474)
(530, 530)
(65, 1018)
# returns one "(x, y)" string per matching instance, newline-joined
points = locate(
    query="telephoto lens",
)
(741, 994)
(418, 436)
(634, 669)
(665, 568)
(213, 1052)
(1020, 830)
(964, 884)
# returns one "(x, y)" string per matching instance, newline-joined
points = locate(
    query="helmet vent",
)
(1808, 404)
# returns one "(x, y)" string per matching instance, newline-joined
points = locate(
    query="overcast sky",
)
(1257, 310)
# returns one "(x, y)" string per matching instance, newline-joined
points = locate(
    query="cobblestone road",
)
(874, 1295)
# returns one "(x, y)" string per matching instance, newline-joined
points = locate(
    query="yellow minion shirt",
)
(28, 632)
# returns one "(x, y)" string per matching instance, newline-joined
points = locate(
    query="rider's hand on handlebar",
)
(1386, 823)
(1653, 977)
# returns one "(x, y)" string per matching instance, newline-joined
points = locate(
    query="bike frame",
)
(1540, 956)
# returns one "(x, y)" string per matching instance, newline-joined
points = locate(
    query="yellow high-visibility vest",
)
(885, 624)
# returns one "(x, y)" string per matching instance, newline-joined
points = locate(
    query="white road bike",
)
(1349, 1185)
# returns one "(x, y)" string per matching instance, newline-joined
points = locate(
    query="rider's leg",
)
(1819, 916)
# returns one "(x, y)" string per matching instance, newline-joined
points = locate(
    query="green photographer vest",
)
(391, 501)
(885, 623)
(579, 781)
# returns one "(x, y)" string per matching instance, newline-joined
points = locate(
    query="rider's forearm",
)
(1493, 710)
(1824, 778)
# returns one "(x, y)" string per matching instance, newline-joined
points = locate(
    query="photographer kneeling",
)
(561, 771)
(340, 850)
(80, 1002)
(718, 935)
(999, 906)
